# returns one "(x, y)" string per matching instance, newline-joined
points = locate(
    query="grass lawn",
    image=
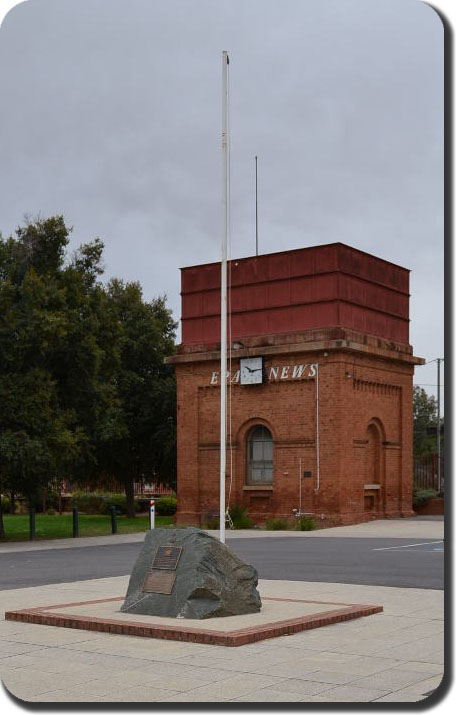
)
(60, 526)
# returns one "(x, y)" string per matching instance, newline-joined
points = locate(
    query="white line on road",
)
(408, 546)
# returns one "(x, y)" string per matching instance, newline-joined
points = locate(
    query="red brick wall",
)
(333, 305)
(356, 389)
(432, 507)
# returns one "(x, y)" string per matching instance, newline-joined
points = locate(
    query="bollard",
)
(32, 523)
(75, 522)
(152, 514)
(114, 519)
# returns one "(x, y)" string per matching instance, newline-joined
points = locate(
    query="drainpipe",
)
(317, 409)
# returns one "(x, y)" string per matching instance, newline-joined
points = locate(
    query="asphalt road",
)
(413, 563)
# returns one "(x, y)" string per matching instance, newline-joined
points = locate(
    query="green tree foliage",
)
(83, 387)
(40, 434)
(144, 443)
(425, 422)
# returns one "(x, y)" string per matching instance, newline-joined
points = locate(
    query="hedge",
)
(166, 506)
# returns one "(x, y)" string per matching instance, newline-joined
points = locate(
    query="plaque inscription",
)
(159, 581)
(161, 577)
(167, 557)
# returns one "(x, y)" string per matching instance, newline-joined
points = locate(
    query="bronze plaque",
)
(161, 577)
(159, 581)
(167, 557)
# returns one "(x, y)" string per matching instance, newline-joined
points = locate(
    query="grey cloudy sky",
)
(111, 116)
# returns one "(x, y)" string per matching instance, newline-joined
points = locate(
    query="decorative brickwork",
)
(60, 615)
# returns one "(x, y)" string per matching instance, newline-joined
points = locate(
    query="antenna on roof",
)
(256, 204)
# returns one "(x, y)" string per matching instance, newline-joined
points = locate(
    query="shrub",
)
(239, 517)
(51, 512)
(210, 519)
(306, 523)
(166, 506)
(6, 505)
(36, 501)
(212, 523)
(117, 500)
(88, 503)
(422, 496)
(277, 524)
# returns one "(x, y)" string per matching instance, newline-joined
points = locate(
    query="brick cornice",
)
(343, 345)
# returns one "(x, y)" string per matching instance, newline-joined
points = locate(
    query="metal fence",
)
(425, 472)
(140, 489)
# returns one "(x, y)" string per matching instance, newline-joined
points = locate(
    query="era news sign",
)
(274, 374)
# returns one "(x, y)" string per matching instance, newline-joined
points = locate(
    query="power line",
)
(428, 362)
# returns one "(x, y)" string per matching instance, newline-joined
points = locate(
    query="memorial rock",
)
(186, 573)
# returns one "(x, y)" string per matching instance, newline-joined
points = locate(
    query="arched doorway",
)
(373, 496)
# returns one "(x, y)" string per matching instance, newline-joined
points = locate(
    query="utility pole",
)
(439, 360)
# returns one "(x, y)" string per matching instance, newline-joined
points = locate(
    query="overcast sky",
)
(111, 115)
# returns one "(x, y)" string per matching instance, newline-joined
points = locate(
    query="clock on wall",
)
(251, 369)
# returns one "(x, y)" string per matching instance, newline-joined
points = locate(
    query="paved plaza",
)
(394, 656)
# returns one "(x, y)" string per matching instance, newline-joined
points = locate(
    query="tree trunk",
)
(130, 495)
(12, 501)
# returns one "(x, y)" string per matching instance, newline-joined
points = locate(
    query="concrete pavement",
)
(396, 656)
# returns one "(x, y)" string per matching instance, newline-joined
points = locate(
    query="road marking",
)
(408, 546)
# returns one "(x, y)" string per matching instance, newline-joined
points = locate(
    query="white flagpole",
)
(223, 307)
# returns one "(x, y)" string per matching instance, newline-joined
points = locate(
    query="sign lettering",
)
(275, 373)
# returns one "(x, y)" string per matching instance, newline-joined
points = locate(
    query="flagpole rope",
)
(230, 433)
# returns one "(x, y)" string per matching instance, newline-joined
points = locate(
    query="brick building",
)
(320, 387)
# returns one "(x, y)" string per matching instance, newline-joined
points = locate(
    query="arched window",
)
(372, 475)
(259, 456)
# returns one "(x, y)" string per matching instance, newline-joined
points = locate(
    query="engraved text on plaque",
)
(161, 577)
(167, 557)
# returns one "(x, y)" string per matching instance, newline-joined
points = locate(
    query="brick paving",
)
(278, 616)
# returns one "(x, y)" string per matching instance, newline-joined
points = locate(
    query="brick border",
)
(45, 615)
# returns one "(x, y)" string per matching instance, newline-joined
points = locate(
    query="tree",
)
(54, 344)
(83, 384)
(143, 442)
(424, 422)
